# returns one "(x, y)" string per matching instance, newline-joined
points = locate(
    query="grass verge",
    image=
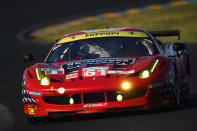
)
(182, 17)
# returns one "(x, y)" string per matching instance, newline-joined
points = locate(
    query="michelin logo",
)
(35, 93)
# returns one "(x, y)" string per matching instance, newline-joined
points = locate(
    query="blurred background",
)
(31, 26)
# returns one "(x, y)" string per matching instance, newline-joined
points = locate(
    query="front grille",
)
(62, 99)
(93, 98)
(135, 93)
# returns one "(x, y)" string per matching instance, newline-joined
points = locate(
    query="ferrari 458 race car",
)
(105, 70)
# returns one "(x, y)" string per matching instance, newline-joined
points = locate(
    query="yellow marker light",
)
(154, 65)
(45, 81)
(119, 97)
(144, 74)
(71, 101)
(39, 74)
(61, 90)
(149, 70)
(126, 85)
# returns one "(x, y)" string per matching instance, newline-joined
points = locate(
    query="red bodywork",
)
(152, 92)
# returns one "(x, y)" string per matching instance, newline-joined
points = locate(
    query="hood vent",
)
(30, 75)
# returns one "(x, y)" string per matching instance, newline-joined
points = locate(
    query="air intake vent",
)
(65, 99)
(94, 98)
(135, 93)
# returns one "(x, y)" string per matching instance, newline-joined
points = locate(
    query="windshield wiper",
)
(74, 56)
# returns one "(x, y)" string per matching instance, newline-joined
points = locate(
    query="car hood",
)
(112, 65)
(100, 73)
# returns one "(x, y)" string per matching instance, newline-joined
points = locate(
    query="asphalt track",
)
(16, 15)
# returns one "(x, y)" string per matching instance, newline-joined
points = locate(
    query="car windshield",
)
(101, 47)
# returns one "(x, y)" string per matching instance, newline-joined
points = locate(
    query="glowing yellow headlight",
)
(45, 81)
(119, 97)
(126, 85)
(71, 101)
(42, 79)
(149, 70)
(144, 74)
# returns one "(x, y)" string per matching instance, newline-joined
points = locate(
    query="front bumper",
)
(42, 107)
(45, 109)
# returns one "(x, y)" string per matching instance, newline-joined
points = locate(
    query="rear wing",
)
(166, 33)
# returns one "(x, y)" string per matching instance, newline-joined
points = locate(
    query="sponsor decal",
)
(121, 72)
(27, 99)
(44, 69)
(50, 71)
(31, 111)
(71, 76)
(116, 61)
(95, 71)
(61, 71)
(35, 93)
(103, 34)
(94, 105)
(71, 67)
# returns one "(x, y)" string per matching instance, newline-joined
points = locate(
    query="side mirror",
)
(179, 46)
(28, 58)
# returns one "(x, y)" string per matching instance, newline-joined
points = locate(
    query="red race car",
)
(106, 70)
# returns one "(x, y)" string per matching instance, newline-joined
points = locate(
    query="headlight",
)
(126, 85)
(45, 81)
(149, 70)
(42, 79)
(144, 74)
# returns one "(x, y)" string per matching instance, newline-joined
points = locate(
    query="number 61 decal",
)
(95, 71)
